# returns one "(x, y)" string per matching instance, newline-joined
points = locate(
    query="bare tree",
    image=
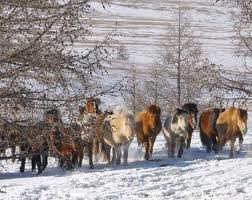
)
(122, 53)
(39, 61)
(182, 62)
(134, 94)
(240, 81)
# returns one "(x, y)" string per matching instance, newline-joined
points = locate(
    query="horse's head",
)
(242, 121)
(181, 118)
(92, 105)
(52, 116)
(191, 108)
(191, 120)
(154, 113)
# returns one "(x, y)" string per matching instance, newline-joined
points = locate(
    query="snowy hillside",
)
(197, 175)
(143, 24)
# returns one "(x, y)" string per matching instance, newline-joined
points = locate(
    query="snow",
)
(197, 175)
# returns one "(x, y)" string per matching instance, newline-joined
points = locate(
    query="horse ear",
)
(175, 118)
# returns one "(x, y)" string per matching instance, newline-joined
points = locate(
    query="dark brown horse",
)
(231, 124)
(208, 132)
(60, 139)
(148, 126)
(192, 109)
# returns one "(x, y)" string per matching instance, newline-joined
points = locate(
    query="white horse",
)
(175, 130)
(118, 131)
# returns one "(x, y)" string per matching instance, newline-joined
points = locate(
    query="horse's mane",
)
(190, 107)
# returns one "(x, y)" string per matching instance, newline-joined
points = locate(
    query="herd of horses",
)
(97, 134)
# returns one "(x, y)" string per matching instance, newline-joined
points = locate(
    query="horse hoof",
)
(91, 167)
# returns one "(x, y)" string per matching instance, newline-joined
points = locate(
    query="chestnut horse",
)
(231, 124)
(148, 126)
(192, 109)
(207, 125)
(175, 131)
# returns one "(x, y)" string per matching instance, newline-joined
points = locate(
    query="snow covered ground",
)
(197, 175)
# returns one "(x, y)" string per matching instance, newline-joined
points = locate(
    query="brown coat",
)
(148, 126)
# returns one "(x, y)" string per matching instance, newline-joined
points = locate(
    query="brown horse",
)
(192, 109)
(231, 124)
(62, 145)
(148, 126)
(60, 139)
(207, 125)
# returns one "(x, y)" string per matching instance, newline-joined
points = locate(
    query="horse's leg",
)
(96, 149)
(107, 150)
(231, 146)
(214, 143)
(118, 155)
(172, 146)
(209, 143)
(44, 161)
(34, 162)
(221, 144)
(13, 152)
(113, 155)
(22, 167)
(75, 156)
(189, 138)
(181, 147)
(38, 161)
(168, 145)
(90, 155)
(61, 162)
(81, 155)
(146, 156)
(45, 156)
(3, 152)
(240, 144)
(125, 153)
(151, 144)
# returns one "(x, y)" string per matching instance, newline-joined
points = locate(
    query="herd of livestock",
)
(98, 133)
